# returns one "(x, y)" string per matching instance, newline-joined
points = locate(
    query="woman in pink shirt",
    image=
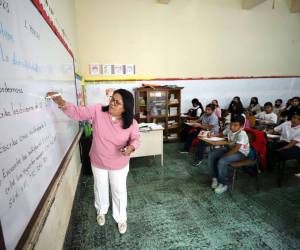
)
(115, 137)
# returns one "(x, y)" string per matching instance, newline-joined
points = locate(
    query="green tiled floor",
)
(172, 207)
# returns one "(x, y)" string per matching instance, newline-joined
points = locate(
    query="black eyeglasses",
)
(116, 102)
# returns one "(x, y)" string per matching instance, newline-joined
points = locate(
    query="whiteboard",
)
(34, 134)
(266, 89)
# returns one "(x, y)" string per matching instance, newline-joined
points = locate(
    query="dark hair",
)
(236, 108)
(268, 104)
(128, 102)
(238, 118)
(296, 97)
(288, 103)
(279, 100)
(297, 112)
(195, 101)
(198, 103)
(237, 97)
(254, 100)
(211, 106)
(216, 102)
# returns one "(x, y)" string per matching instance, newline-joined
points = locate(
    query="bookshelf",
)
(160, 105)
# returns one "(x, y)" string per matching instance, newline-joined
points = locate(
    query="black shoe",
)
(196, 163)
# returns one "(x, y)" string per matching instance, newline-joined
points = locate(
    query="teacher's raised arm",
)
(74, 112)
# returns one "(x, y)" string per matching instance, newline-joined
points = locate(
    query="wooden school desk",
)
(151, 144)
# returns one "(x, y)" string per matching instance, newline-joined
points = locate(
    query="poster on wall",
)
(129, 69)
(107, 69)
(118, 69)
(94, 69)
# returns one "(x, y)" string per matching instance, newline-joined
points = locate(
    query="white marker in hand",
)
(123, 149)
(51, 96)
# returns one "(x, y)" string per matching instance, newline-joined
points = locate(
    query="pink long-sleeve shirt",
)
(218, 112)
(108, 136)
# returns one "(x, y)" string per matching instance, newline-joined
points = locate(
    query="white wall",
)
(266, 89)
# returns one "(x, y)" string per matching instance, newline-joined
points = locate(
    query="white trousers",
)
(117, 180)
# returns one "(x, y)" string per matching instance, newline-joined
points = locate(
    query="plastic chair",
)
(252, 160)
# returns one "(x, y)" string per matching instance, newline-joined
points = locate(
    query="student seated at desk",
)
(219, 158)
(208, 121)
(289, 145)
(212, 127)
(193, 113)
(196, 110)
(254, 107)
(283, 115)
(236, 103)
(235, 108)
(267, 117)
(278, 107)
(290, 110)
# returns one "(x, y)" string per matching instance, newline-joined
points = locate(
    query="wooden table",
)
(151, 144)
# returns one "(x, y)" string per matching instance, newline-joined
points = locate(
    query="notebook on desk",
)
(214, 139)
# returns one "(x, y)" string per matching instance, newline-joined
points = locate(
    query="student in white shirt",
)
(219, 158)
(289, 145)
(196, 110)
(267, 117)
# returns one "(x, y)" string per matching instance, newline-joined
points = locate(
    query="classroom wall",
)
(65, 13)
(189, 38)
